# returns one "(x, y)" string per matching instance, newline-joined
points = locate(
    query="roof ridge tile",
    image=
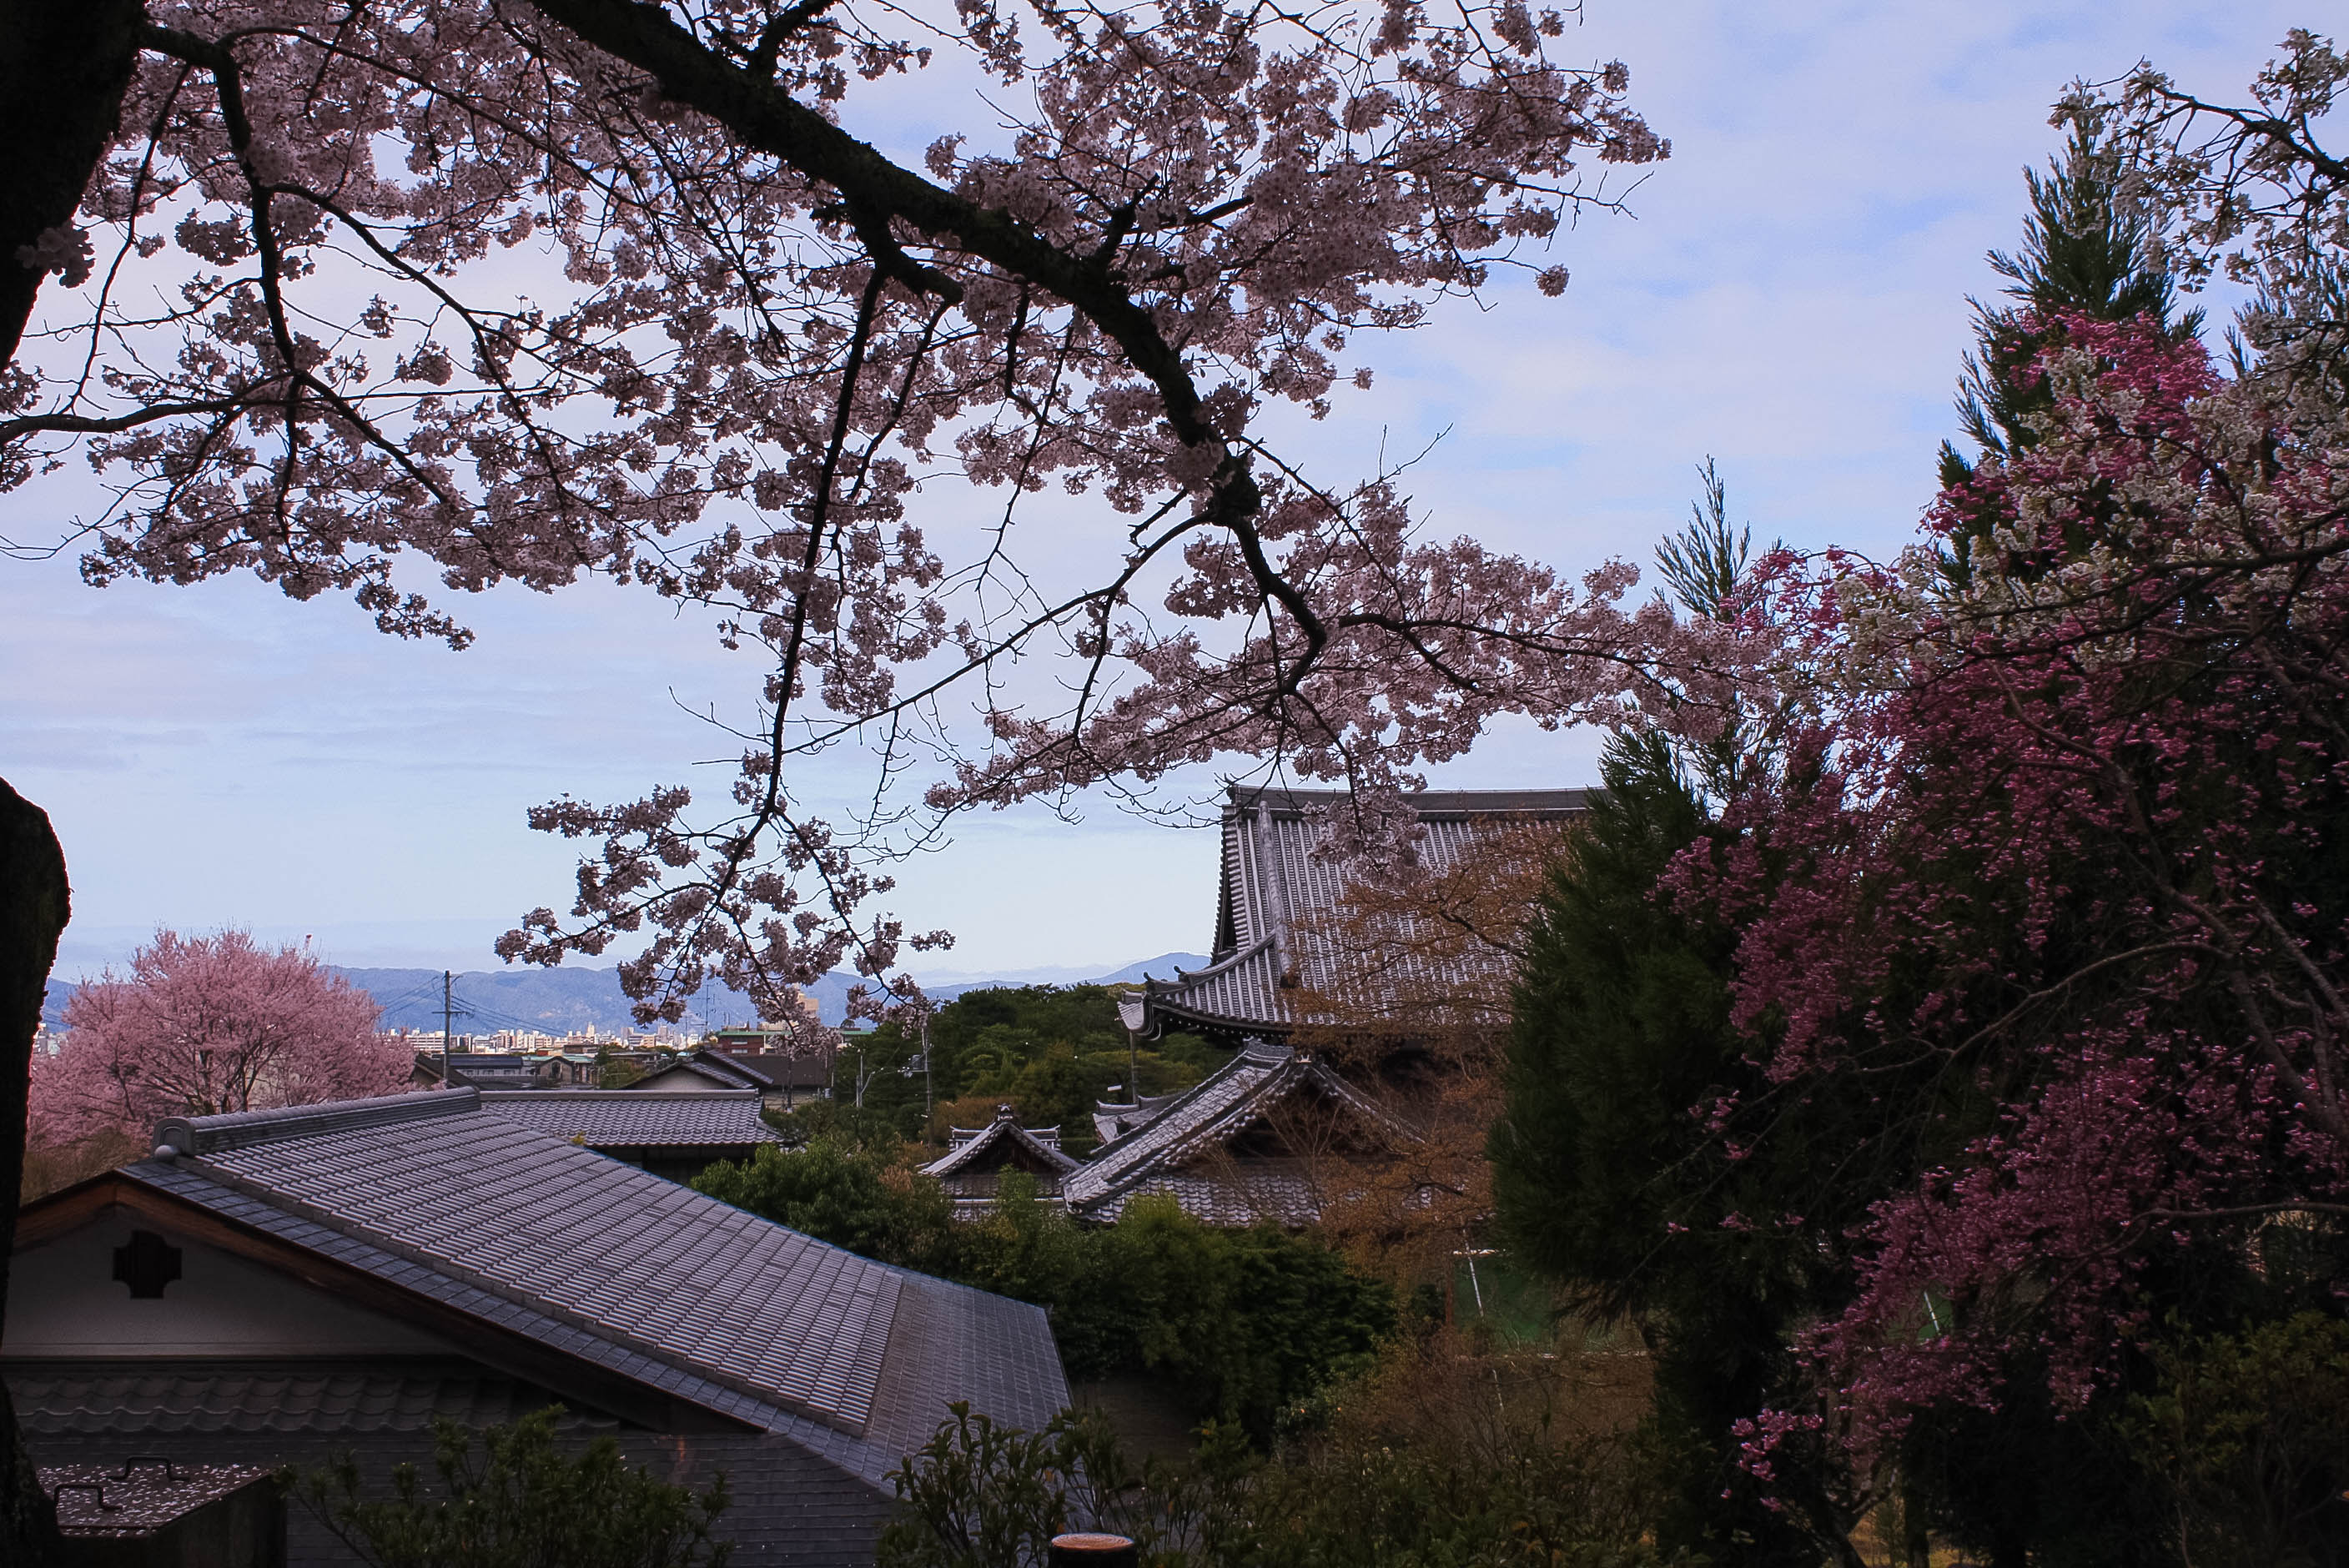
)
(241, 1129)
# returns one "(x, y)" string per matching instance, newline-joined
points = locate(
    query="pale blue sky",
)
(1790, 299)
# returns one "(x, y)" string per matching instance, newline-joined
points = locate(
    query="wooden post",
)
(1089, 1550)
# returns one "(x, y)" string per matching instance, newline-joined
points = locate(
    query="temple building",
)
(977, 1156)
(1270, 1135)
(1302, 961)
(1282, 957)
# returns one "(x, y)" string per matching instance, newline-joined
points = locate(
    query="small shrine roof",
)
(1042, 1144)
(1158, 1155)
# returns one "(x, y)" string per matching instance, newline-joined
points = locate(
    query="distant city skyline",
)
(1790, 299)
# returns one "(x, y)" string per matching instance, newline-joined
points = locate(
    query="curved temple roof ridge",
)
(1157, 1155)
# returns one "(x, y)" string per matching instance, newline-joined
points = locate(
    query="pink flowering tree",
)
(2047, 867)
(205, 1025)
(2061, 873)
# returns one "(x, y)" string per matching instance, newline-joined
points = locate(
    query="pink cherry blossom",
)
(205, 1025)
(2047, 865)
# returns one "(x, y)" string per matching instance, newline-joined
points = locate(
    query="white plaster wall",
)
(65, 1302)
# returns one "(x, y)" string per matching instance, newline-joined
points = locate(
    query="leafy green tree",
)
(851, 1197)
(1248, 1324)
(2247, 1439)
(521, 1502)
(1049, 1052)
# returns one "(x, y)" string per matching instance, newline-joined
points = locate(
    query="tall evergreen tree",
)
(2087, 250)
(1606, 1180)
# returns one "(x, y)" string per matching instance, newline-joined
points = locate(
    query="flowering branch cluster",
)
(308, 345)
(2058, 876)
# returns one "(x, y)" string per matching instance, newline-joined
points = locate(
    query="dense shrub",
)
(523, 1503)
(1246, 1325)
(2247, 1440)
(840, 1193)
(1437, 1459)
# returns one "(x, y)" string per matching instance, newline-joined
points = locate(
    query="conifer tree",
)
(1603, 1181)
(2087, 250)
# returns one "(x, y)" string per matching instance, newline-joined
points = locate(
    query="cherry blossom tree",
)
(291, 324)
(206, 1025)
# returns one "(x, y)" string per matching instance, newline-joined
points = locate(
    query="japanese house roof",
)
(1272, 956)
(1165, 1153)
(619, 1119)
(572, 1268)
(771, 1071)
(1004, 1129)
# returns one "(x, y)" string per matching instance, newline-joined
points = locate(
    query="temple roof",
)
(1172, 1152)
(1113, 1119)
(1274, 958)
(972, 1146)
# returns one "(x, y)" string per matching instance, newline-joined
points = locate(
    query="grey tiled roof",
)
(1112, 1121)
(1001, 1131)
(618, 1119)
(1271, 958)
(1163, 1154)
(771, 1070)
(622, 1269)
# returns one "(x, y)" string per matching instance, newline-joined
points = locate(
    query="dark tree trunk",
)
(63, 66)
(32, 911)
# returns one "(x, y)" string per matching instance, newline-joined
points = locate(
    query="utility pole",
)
(927, 1104)
(447, 1017)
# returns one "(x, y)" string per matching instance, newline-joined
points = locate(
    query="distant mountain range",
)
(558, 1001)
